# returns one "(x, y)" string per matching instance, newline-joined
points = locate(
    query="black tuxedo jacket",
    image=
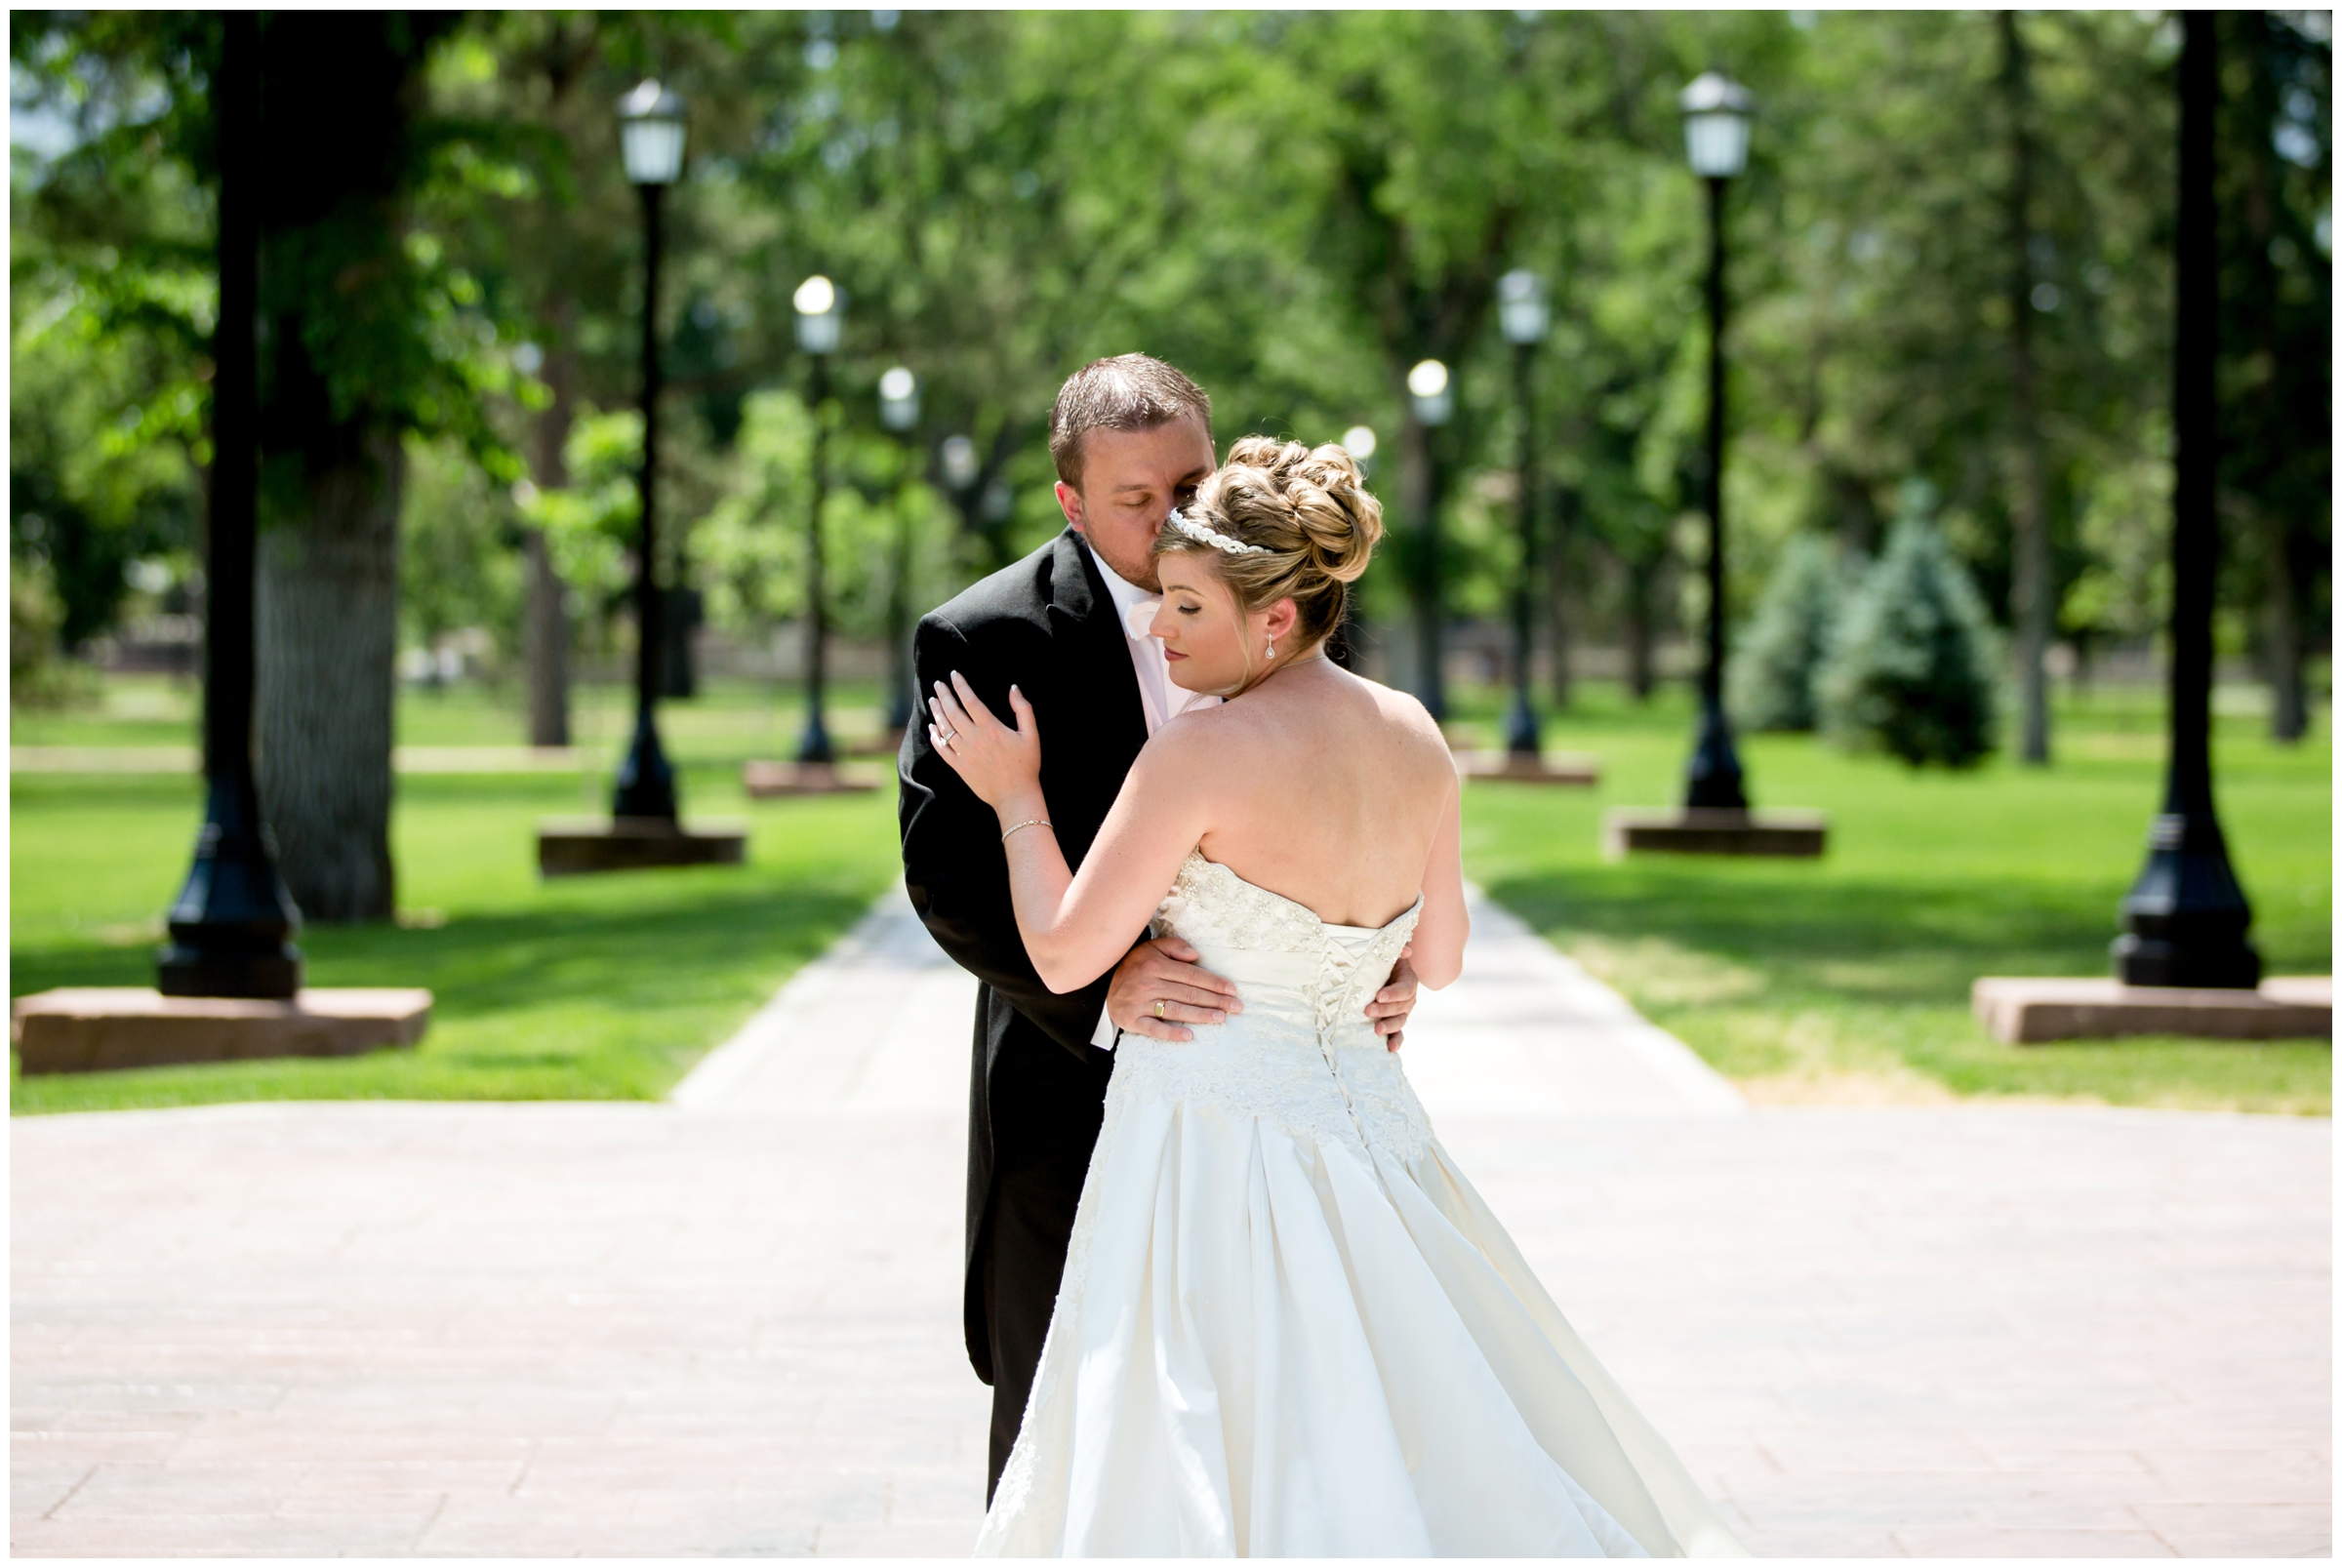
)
(1048, 624)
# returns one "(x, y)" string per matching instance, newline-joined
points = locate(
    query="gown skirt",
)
(1289, 1326)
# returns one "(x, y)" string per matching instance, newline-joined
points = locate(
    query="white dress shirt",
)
(1163, 701)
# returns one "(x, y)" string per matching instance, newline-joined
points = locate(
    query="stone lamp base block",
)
(2033, 1012)
(1705, 830)
(577, 846)
(1559, 768)
(765, 781)
(886, 744)
(104, 1029)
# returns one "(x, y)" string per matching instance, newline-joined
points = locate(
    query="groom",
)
(1131, 438)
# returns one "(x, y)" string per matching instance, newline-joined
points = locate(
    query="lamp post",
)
(1522, 313)
(2184, 919)
(229, 924)
(650, 130)
(1433, 404)
(899, 412)
(821, 320)
(1716, 137)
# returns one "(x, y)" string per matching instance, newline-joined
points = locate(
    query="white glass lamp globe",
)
(1358, 442)
(650, 135)
(959, 461)
(1427, 383)
(1520, 306)
(1716, 126)
(820, 315)
(899, 398)
(816, 296)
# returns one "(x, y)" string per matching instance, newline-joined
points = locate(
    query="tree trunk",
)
(1559, 616)
(2280, 629)
(1419, 501)
(2035, 608)
(1641, 579)
(544, 640)
(545, 643)
(327, 614)
(333, 198)
(2247, 470)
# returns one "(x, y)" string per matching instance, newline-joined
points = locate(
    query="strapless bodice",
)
(1303, 1052)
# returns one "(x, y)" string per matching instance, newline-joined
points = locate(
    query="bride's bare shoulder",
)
(1403, 711)
(1191, 739)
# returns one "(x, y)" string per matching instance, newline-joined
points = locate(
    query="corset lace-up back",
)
(1303, 1053)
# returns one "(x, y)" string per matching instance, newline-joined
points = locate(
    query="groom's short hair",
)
(1122, 393)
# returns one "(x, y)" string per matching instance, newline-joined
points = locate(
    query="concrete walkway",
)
(730, 1324)
(1526, 1033)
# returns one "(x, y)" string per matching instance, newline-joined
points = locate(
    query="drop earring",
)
(1273, 646)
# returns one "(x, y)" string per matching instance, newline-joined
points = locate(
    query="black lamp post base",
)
(1521, 738)
(815, 744)
(2150, 961)
(229, 923)
(1713, 782)
(2184, 920)
(646, 783)
(183, 969)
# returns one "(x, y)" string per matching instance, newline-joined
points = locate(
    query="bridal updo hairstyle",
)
(1308, 507)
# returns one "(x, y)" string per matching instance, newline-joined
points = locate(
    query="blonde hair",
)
(1308, 513)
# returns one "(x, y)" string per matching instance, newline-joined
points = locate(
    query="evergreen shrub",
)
(1770, 682)
(1911, 668)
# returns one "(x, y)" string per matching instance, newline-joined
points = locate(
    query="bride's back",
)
(1328, 789)
(1318, 785)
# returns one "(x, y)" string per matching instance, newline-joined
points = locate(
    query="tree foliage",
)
(1294, 207)
(1774, 662)
(1911, 668)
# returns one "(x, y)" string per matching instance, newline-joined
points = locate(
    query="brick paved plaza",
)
(730, 1324)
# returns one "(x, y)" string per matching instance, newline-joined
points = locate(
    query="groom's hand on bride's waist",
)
(1158, 987)
(1395, 1001)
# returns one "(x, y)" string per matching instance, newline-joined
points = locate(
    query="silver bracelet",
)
(1030, 822)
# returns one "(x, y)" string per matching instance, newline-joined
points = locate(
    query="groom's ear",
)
(1068, 502)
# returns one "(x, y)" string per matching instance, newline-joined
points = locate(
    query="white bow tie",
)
(1139, 619)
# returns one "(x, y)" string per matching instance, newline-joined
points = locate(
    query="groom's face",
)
(1130, 480)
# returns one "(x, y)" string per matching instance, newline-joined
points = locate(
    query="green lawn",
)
(584, 988)
(1847, 979)
(729, 722)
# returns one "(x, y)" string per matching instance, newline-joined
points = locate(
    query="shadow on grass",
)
(608, 993)
(1858, 989)
(1896, 941)
(634, 958)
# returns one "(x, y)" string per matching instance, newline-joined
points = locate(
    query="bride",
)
(1288, 1326)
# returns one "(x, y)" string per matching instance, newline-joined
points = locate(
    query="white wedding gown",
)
(1289, 1327)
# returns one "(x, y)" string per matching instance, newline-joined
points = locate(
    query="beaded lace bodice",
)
(1303, 1053)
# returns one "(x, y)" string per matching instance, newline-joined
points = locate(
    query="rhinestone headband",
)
(1218, 541)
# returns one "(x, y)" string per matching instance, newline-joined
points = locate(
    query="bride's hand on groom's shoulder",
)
(996, 762)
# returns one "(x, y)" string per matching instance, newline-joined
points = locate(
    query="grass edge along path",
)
(606, 987)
